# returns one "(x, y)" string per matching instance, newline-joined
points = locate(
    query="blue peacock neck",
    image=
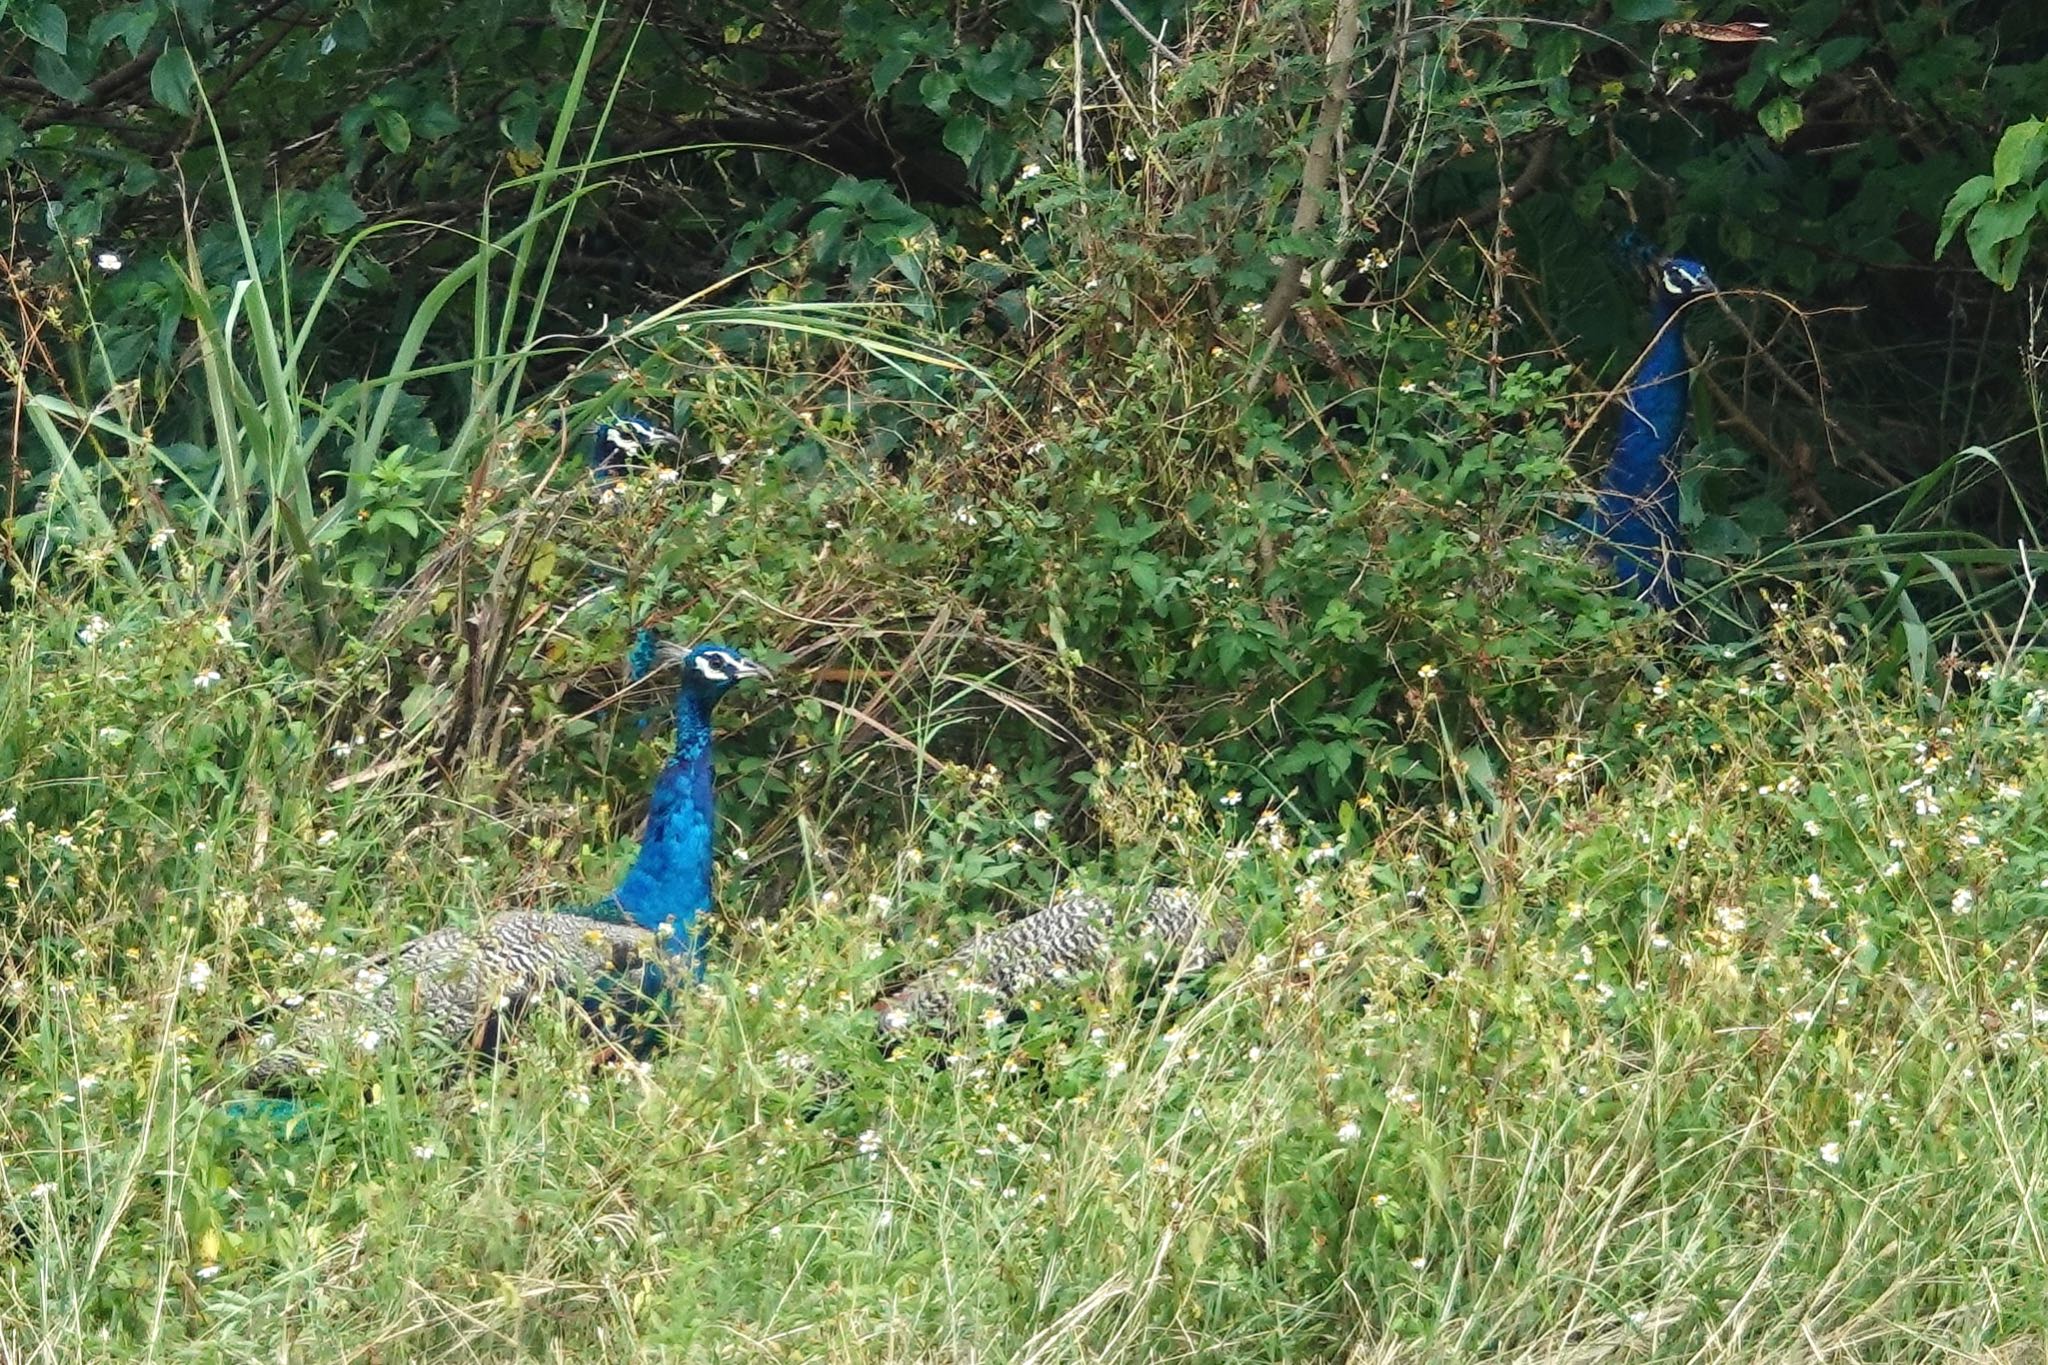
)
(669, 883)
(1653, 413)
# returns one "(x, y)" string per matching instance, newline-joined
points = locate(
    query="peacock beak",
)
(747, 668)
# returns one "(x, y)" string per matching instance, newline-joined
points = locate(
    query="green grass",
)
(1726, 1046)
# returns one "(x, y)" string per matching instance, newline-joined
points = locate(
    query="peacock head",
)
(1683, 279)
(710, 671)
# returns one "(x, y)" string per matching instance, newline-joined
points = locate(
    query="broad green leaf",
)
(1638, 11)
(2020, 153)
(993, 80)
(936, 90)
(1968, 196)
(58, 78)
(963, 136)
(171, 80)
(392, 129)
(890, 69)
(1781, 118)
(2000, 221)
(45, 24)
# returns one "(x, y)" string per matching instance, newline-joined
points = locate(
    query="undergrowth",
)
(1614, 987)
(1720, 1040)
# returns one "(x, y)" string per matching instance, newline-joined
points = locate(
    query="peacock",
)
(1633, 521)
(1078, 931)
(623, 436)
(619, 960)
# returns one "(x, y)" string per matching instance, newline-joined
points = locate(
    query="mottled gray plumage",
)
(1077, 932)
(620, 959)
(458, 988)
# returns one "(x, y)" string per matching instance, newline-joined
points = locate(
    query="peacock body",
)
(1078, 931)
(1633, 521)
(620, 960)
(624, 437)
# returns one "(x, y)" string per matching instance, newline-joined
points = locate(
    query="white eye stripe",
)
(714, 667)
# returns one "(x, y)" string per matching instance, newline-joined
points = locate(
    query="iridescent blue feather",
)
(1633, 521)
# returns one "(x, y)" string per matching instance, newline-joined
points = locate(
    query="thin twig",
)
(1158, 44)
(1322, 155)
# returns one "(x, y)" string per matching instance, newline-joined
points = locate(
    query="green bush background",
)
(1138, 461)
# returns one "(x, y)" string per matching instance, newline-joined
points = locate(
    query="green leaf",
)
(392, 129)
(993, 80)
(1968, 196)
(2020, 153)
(1837, 53)
(46, 25)
(2000, 221)
(963, 136)
(1638, 11)
(58, 78)
(171, 80)
(936, 90)
(1999, 235)
(1781, 118)
(890, 69)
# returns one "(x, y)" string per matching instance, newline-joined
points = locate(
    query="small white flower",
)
(869, 1143)
(885, 1218)
(63, 839)
(1831, 1153)
(896, 1019)
(1348, 1131)
(424, 1152)
(1041, 820)
(224, 632)
(6, 815)
(198, 975)
(326, 837)
(207, 1272)
(93, 630)
(1031, 170)
(1232, 797)
(1963, 899)
(110, 262)
(368, 1039)
(207, 679)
